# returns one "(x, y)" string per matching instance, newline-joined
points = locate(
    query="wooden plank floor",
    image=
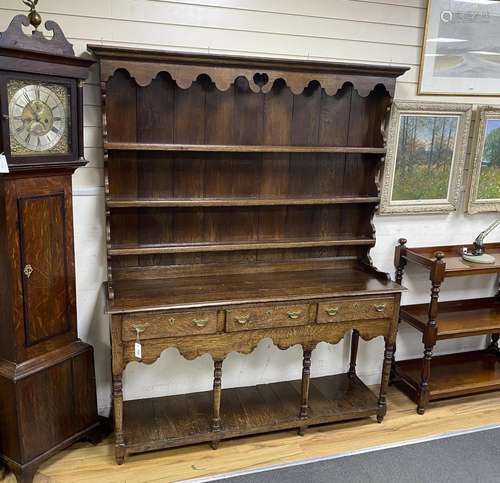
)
(86, 463)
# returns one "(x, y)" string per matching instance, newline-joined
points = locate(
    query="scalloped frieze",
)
(258, 81)
(219, 346)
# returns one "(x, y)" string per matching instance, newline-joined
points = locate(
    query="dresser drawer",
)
(169, 324)
(266, 317)
(344, 310)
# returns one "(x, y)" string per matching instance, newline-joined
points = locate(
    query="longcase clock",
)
(47, 379)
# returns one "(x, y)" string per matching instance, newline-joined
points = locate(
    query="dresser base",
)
(156, 423)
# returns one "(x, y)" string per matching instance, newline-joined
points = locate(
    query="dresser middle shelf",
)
(456, 319)
(129, 202)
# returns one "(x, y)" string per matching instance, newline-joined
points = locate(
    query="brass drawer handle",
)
(243, 319)
(332, 311)
(294, 315)
(140, 328)
(200, 323)
(28, 270)
(379, 307)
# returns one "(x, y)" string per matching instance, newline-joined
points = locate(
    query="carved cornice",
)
(144, 66)
(296, 82)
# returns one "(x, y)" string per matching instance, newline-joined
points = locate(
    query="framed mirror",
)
(426, 149)
(484, 186)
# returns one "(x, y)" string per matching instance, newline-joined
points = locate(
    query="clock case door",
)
(40, 159)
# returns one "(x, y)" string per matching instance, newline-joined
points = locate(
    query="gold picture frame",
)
(423, 170)
(484, 189)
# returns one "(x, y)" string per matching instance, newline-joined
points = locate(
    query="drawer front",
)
(266, 317)
(344, 310)
(169, 324)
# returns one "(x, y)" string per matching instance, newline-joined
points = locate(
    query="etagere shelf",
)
(432, 378)
(240, 194)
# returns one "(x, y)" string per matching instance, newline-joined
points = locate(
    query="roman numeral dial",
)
(38, 118)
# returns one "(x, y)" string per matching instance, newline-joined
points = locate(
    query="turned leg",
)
(430, 333)
(493, 347)
(423, 395)
(393, 373)
(386, 368)
(306, 381)
(217, 393)
(354, 352)
(400, 264)
(118, 368)
(118, 417)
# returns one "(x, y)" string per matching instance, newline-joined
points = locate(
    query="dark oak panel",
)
(42, 219)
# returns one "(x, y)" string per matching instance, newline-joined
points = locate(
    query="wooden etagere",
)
(240, 194)
(432, 378)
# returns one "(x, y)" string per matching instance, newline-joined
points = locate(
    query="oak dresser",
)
(240, 194)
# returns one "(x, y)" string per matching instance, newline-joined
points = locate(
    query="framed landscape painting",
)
(484, 192)
(426, 149)
(461, 48)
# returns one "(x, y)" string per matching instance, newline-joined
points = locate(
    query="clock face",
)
(39, 118)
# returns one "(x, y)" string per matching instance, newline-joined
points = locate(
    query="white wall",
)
(381, 31)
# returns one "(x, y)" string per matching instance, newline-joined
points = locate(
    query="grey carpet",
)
(468, 458)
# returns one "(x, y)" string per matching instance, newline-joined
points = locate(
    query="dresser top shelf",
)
(249, 148)
(455, 264)
(241, 288)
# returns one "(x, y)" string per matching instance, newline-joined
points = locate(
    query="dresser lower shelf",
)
(452, 375)
(156, 423)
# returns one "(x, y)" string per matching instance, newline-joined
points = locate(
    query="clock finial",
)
(15, 37)
(34, 16)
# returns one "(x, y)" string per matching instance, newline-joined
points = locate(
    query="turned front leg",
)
(217, 394)
(118, 417)
(429, 337)
(306, 382)
(354, 353)
(386, 369)
(400, 264)
(118, 368)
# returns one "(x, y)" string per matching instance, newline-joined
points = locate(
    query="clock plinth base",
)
(38, 416)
